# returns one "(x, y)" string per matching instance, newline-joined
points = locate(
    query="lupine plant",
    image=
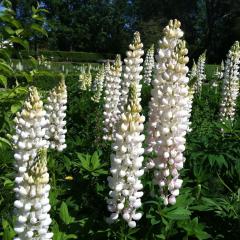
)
(98, 85)
(149, 65)
(169, 115)
(111, 99)
(200, 74)
(32, 204)
(126, 163)
(132, 69)
(56, 112)
(230, 88)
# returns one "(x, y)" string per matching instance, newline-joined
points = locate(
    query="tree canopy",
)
(107, 25)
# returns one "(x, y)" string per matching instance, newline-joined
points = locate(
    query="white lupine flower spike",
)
(126, 164)
(98, 85)
(30, 130)
(149, 65)
(170, 109)
(32, 204)
(111, 99)
(28, 140)
(230, 88)
(107, 68)
(200, 74)
(85, 79)
(56, 112)
(132, 69)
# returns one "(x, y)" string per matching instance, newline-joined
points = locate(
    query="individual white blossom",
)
(149, 65)
(56, 112)
(126, 164)
(29, 136)
(132, 69)
(111, 99)
(201, 75)
(170, 109)
(32, 204)
(230, 88)
(98, 85)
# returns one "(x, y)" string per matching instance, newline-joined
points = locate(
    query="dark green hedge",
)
(62, 56)
(45, 80)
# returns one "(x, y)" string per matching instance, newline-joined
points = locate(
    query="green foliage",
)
(64, 56)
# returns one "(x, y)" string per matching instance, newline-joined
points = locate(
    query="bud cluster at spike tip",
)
(126, 164)
(32, 204)
(230, 88)
(132, 69)
(149, 65)
(56, 112)
(170, 109)
(111, 99)
(98, 85)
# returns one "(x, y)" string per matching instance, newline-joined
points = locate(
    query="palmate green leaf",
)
(3, 81)
(64, 214)
(194, 229)
(39, 29)
(95, 161)
(219, 160)
(177, 214)
(8, 232)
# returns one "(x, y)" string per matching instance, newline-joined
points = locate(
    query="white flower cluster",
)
(149, 65)
(111, 99)
(193, 73)
(126, 164)
(29, 138)
(201, 76)
(30, 131)
(98, 85)
(132, 69)
(56, 108)
(85, 79)
(230, 88)
(107, 68)
(33, 205)
(219, 73)
(170, 108)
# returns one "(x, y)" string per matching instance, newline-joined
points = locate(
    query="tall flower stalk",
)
(31, 189)
(169, 114)
(149, 65)
(98, 85)
(230, 88)
(126, 163)
(132, 69)
(56, 112)
(111, 99)
(201, 76)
